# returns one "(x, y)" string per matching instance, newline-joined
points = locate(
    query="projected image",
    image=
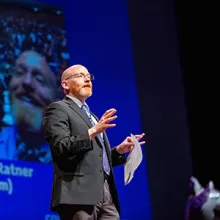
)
(33, 53)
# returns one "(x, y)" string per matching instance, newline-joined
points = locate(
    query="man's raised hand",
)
(103, 123)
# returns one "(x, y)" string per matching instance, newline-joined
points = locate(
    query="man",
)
(32, 87)
(83, 186)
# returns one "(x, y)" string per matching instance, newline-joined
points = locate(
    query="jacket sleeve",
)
(57, 133)
(117, 159)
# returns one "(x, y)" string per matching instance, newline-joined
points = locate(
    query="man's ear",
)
(65, 86)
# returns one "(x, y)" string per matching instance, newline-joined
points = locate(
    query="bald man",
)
(83, 186)
(32, 88)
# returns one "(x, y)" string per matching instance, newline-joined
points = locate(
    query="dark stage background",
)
(196, 37)
(155, 36)
(199, 40)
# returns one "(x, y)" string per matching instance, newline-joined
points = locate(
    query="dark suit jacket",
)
(78, 161)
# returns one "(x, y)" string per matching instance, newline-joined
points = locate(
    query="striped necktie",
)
(106, 165)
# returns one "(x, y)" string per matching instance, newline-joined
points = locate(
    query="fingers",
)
(107, 121)
(129, 144)
(129, 148)
(109, 113)
(140, 136)
(110, 125)
(110, 119)
(103, 123)
(106, 118)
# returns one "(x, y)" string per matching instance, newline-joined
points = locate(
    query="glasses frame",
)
(79, 75)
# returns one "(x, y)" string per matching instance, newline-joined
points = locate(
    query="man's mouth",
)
(28, 99)
(87, 86)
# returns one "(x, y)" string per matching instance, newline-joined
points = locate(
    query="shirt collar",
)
(77, 101)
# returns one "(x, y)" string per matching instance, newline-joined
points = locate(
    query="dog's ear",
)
(195, 186)
(211, 185)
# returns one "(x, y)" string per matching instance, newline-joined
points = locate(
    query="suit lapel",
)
(106, 140)
(77, 109)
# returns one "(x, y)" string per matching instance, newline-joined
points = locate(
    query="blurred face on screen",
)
(76, 81)
(32, 88)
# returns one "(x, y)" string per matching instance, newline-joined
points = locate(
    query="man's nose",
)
(86, 78)
(28, 80)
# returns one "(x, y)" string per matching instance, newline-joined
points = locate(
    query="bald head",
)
(73, 70)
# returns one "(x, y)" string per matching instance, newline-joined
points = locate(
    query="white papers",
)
(133, 161)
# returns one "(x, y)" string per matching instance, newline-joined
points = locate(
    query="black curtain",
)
(196, 31)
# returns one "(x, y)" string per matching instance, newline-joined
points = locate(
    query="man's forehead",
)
(78, 68)
(33, 60)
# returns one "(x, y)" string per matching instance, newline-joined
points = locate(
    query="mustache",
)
(88, 85)
(32, 98)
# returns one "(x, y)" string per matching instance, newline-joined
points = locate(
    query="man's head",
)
(76, 81)
(32, 88)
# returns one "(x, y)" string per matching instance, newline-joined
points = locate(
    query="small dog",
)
(202, 202)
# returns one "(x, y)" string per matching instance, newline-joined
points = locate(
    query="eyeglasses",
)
(82, 75)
